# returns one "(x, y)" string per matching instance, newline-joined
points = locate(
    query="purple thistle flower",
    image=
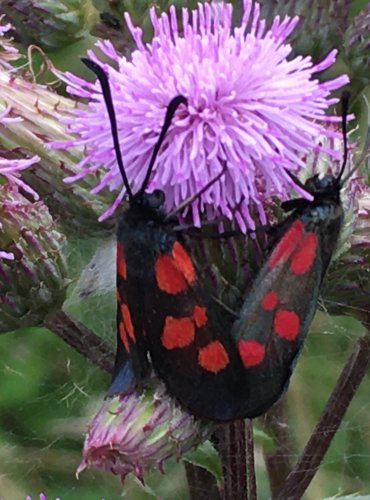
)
(248, 104)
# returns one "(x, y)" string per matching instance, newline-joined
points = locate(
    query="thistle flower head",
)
(248, 103)
(30, 117)
(134, 433)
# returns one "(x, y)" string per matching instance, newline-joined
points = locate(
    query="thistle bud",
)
(33, 276)
(134, 433)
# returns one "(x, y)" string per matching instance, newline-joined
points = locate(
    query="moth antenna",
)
(171, 109)
(345, 106)
(104, 82)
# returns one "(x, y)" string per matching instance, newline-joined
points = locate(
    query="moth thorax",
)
(325, 184)
(152, 201)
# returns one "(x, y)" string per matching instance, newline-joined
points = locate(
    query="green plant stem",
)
(350, 378)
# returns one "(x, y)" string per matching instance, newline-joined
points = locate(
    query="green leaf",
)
(207, 457)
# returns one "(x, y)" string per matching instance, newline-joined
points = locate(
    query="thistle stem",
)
(350, 378)
(231, 444)
(82, 340)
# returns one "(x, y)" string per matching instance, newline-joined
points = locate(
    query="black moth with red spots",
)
(221, 369)
(277, 313)
(165, 319)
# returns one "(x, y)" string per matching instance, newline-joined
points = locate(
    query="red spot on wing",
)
(176, 271)
(123, 336)
(251, 352)
(304, 256)
(169, 278)
(269, 301)
(287, 244)
(177, 332)
(286, 324)
(213, 357)
(183, 262)
(126, 318)
(200, 316)
(121, 262)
